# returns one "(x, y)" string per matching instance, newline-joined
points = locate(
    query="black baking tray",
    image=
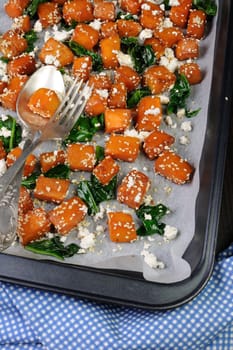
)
(213, 220)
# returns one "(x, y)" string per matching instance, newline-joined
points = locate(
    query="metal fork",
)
(58, 127)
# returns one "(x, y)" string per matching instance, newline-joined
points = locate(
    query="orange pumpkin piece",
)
(82, 67)
(68, 215)
(85, 36)
(21, 65)
(33, 225)
(169, 36)
(173, 167)
(78, 11)
(151, 15)
(192, 72)
(30, 162)
(12, 44)
(51, 189)
(117, 96)
(187, 48)
(156, 46)
(127, 76)
(121, 227)
(131, 6)
(15, 8)
(49, 14)
(108, 48)
(149, 114)
(2, 150)
(25, 201)
(49, 160)
(122, 147)
(158, 79)
(157, 142)
(3, 85)
(105, 170)
(108, 29)
(133, 189)
(55, 52)
(10, 94)
(117, 119)
(21, 24)
(100, 81)
(44, 102)
(196, 24)
(179, 14)
(97, 102)
(81, 157)
(104, 10)
(127, 28)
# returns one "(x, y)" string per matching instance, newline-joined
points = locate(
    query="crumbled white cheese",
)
(47, 35)
(100, 214)
(169, 60)
(38, 26)
(151, 260)
(124, 59)
(170, 232)
(3, 167)
(148, 199)
(152, 111)
(102, 93)
(62, 35)
(96, 24)
(167, 23)
(134, 133)
(5, 132)
(145, 34)
(147, 216)
(186, 126)
(164, 99)
(174, 3)
(181, 113)
(50, 59)
(184, 140)
(169, 122)
(4, 117)
(88, 241)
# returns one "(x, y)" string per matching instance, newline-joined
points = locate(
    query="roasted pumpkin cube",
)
(127, 76)
(100, 81)
(151, 15)
(157, 46)
(156, 142)
(133, 189)
(169, 36)
(128, 27)
(15, 8)
(12, 44)
(187, 48)
(44, 102)
(117, 96)
(104, 11)
(33, 225)
(158, 79)
(68, 215)
(30, 162)
(108, 50)
(55, 52)
(21, 65)
(192, 71)
(49, 14)
(196, 24)
(25, 201)
(97, 102)
(78, 11)
(121, 227)
(122, 147)
(81, 157)
(105, 170)
(173, 167)
(3, 86)
(149, 115)
(22, 24)
(179, 14)
(85, 36)
(117, 119)
(82, 67)
(49, 160)
(51, 189)
(10, 94)
(108, 29)
(131, 6)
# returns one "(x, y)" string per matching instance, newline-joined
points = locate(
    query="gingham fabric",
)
(34, 319)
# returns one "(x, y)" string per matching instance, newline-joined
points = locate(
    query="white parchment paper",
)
(180, 199)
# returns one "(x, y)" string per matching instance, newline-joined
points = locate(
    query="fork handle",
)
(7, 179)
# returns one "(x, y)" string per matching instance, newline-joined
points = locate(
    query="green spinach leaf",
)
(31, 38)
(142, 55)
(30, 181)
(99, 153)
(84, 191)
(80, 51)
(150, 217)
(60, 171)
(135, 96)
(53, 247)
(208, 6)
(125, 15)
(14, 130)
(31, 9)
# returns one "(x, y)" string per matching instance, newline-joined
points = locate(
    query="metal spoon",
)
(47, 77)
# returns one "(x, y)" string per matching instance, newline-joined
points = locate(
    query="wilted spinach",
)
(31, 9)
(135, 96)
(150, 217)
(15, 132)
(53, 247)
(31, 38)
(142, 55)
(80, 51)
(208, 6)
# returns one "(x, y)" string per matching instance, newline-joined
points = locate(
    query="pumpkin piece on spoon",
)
(44, 102)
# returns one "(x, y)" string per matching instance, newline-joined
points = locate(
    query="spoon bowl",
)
(46, 77)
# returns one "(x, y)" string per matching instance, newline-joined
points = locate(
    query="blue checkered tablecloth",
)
(34, 319)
